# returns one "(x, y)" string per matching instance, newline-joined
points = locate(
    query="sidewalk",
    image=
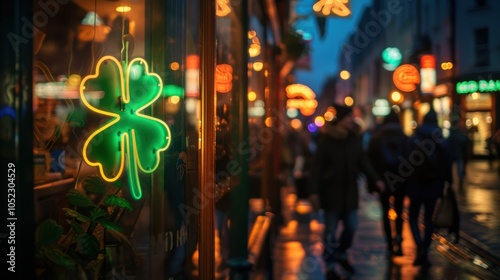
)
(298, 249)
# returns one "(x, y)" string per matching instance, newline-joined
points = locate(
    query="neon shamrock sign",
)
(129, 139)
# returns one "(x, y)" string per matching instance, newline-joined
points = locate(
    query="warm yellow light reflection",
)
(396, 96)
(254, 50)
(446, 65)
(345, 75)
(251, 34)
(296, 124)
(348, 101)
(319, 121)
(252, 96)
(303, 207)
(174, 66)
(174, 99)
(269, 122)
(257, 66)
(123, 9)
(475, 96)
(392, 214)
(330, 113)
(475, 121)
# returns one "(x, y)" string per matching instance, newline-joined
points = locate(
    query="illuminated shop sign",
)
(478, 86)
(427, 73)
(130, 139)
(193, 76)
(224, 78)
(406, 78)
(223, 8)
(392, 58)
(339, 8)
(381, 107)
(302, 98)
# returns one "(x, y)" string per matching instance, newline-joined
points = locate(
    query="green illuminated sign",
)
(392, 58)
(130, 139)
(478, 86)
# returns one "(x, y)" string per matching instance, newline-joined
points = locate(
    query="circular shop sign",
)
(406, 78)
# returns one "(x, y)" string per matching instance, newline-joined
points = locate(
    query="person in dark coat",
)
(386, 145)
(459, 143)
(429, 163)
(338, 159)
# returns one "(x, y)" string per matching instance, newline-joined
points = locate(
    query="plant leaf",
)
(87, 245)
(56, 256)
(75, 226)
(74, 214)
(94, 184)
(114, 200)
(48, 232)
(98, 214)
(77, 198)
(110, 225)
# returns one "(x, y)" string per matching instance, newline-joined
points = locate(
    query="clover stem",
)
(132, 174)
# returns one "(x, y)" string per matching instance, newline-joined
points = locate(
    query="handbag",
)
(445, 215)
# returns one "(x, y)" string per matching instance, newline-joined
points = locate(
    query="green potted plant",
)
(77, 250)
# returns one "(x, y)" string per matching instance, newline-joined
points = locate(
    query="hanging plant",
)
(294, 44)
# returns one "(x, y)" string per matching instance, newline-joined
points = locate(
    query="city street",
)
(298, 250)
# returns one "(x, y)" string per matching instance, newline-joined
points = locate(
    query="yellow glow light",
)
(296, 124)
(269, 122)
(396, 96)
(223, 8)
(348, 101)
(254, 50)
(251, 34)
(258, 66)
(446, 65)
(174, 99)
(252, 95)
(336, 7)
(330, 113)
(345, 75)
(123, 9)
(319, 121)
(174, 66)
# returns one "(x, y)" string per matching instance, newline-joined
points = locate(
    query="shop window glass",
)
(97, 65)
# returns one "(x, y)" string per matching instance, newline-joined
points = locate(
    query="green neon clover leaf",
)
(129, 139)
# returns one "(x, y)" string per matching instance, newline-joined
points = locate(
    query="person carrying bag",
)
(447, 215)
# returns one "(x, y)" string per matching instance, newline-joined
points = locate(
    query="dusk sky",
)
(325, 51)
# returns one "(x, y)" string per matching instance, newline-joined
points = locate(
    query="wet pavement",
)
(298, 249)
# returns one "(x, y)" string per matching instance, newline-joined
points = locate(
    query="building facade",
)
(126, 140)
(455, 37)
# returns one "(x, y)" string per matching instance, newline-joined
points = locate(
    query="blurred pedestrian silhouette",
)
(387, 144)
(429, 166)
(459, 143)
(337, 161)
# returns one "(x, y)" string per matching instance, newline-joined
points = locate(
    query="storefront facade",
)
(122, 122)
